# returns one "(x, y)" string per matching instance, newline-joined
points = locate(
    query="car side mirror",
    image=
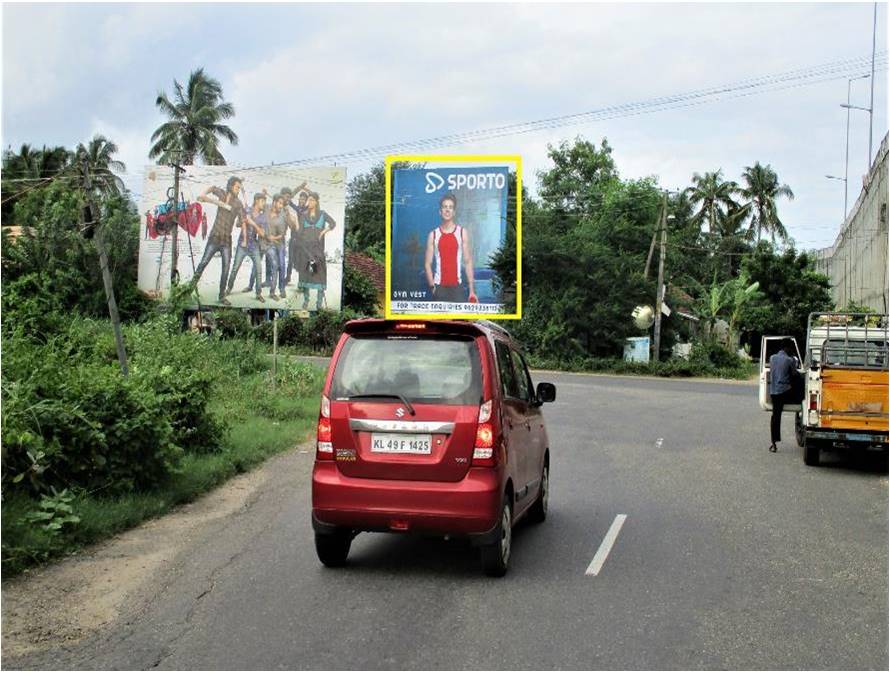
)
(546, 392)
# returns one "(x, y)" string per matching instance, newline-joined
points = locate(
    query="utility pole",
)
(651, 249)
(99, 241)
(174, 268)
(659, 291)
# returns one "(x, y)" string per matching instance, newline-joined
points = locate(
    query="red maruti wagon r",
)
(433, 428)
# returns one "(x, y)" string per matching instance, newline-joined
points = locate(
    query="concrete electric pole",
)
(659, 291)
(99, 241)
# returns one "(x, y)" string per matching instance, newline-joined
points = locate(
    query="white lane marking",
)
(597, 563)
(659, 442)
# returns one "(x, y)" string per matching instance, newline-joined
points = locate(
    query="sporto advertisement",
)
(446, 223)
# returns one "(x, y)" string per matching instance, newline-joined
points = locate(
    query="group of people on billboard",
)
(261, 235)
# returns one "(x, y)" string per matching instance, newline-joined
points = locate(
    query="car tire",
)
(811, 452)
(496, 556)
(332, 549)
(800, 433)
(537, 513)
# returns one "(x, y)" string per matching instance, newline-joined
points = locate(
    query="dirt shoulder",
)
(67, 601)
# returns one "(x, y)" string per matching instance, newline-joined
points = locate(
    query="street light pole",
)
(847, 150)
(847, 156)
(844, 180)
(871, 105)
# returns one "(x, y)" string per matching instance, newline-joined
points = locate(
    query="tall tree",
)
(98, 153)
(579, 177)
(195, 127)
(792, 288)
(583, 253)
(713, 196)
(760, 193)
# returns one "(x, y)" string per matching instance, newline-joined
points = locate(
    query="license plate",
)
(400, 443)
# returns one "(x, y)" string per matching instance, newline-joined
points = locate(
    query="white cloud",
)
(308, 80)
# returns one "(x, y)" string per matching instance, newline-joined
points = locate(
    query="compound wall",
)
(857, 262)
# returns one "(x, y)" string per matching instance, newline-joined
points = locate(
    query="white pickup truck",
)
(845, 395)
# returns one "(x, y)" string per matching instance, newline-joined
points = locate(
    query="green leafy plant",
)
(54, 512)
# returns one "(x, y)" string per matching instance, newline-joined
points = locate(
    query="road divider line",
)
(606, 546)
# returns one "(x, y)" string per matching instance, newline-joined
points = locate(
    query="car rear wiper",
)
(386, 396)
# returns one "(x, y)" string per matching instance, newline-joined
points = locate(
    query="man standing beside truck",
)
(782, 371)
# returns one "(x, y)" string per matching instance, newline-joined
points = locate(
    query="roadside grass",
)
(261, 422)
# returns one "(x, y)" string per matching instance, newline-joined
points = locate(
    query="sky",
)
(309, 80)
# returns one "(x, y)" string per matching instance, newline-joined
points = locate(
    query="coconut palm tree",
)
(98, 155)
(194, 128)
(28, 169)
(760, 193)
(714, 198)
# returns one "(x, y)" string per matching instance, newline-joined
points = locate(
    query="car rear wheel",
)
(811, 451)
(538, 511)
(332, 549)
(496, 556)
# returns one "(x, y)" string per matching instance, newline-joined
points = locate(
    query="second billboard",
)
(445, 224)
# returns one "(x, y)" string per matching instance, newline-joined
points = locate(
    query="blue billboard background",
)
(481, 209)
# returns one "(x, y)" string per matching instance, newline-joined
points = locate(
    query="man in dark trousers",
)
(782, 371)
(228, 209)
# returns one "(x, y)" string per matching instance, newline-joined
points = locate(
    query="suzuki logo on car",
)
(400, 412)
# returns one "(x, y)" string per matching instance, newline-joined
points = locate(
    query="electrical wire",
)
(791, 79)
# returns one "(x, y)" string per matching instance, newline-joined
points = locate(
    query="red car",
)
(433, 428)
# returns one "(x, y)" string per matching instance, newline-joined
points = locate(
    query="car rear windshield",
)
(423, 369)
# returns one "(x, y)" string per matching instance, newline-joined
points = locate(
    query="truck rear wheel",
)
(800, 434)
(811, 451)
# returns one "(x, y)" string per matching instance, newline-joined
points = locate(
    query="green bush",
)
(665, 368)
(81, 424)
(359, 293)
(291, 330)
(323, 329)
(264, 332)
(706, 353)
(232, 322)
(70, 418)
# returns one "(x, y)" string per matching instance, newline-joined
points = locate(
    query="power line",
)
(777, 82)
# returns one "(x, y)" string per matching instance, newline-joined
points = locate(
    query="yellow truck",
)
(845, 384)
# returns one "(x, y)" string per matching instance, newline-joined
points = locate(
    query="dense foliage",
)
(792, 289)
(71, 419)
(54, 270)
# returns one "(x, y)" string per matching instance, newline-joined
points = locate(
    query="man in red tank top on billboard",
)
(449, 257)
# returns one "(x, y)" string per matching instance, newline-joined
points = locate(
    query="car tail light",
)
(483, 448)
(814, 402)
(324, 447)
(410, 325)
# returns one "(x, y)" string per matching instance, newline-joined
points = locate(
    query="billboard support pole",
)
(174, 267)
(274, 346)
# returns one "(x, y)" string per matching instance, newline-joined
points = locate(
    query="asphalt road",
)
(730, 557)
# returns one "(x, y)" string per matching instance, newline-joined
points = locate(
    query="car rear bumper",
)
(852, 438)
(469, 507)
